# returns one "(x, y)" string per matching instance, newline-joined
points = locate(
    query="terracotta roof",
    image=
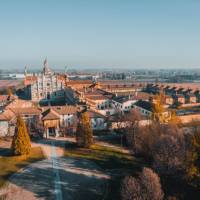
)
(29, 80)
(136, 96)
(62, 110)
(3, 97)
(50, 114)
(7, 115)
(94, 114)
(96, 97)
(26, 111)
(6, 99)
(9, 83)
(76, 82)
(18, 103)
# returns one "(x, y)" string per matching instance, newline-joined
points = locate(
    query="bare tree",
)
(150, 185)
(146, 187)
(131, 189)
(169, 153)
(132, 119)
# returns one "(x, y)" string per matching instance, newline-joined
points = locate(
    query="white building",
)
(45, 86)
(98, 121)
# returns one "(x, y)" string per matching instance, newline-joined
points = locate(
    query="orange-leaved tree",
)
(84, 135)
(21, 143)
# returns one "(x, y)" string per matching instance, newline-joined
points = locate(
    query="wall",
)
(98, 124)
(3, 128)
(189, 118)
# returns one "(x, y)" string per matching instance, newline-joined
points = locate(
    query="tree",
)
(193, 156)
(145, 186)
(158, 108)
(169, 152)
(21, 141)
(174, 119)
(84, 135)
(150, 185)
(146, 137)
(9, 92)
(130, 189)
(133, 118)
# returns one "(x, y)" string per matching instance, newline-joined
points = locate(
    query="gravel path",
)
(57, 178)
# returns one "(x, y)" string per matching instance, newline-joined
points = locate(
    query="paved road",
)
(58, 178)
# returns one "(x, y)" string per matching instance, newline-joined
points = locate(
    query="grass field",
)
(11, 164)
(106, 157)
(111, 161)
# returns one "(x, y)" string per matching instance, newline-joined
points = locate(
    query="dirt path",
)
(57, 178)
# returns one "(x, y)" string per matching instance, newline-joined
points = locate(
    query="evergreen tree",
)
(21, 143)
(84, 135)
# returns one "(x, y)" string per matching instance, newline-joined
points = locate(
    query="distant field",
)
(192, 86)
(9, 83)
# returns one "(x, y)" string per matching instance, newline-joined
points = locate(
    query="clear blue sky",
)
(100, 33)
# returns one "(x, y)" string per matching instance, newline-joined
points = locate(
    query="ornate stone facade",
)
(45, 86)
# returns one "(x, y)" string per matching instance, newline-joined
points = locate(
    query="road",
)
(57, 178)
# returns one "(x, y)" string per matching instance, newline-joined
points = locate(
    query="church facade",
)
(45, 86)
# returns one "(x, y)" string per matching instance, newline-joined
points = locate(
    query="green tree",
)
(84, 134)
(21, 144)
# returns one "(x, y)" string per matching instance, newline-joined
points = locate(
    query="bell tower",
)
(46, 69)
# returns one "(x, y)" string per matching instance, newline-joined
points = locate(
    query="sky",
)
(100, 33)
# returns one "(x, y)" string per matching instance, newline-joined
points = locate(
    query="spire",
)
(25, 70)
(66, 75)
(46, 69)
(65, 69)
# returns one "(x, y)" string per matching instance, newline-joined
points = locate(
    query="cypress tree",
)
(21, 143)
(84, 135)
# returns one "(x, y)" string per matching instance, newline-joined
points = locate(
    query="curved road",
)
(57, 178)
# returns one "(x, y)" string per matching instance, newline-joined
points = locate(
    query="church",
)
(45, 86)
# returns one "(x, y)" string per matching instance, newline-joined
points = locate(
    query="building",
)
(45, 86)
(59, 120)
(98, 121)
(146, 109)
(126, 103)
(7, 123)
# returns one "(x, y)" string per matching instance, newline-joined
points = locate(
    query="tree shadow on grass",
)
(79, 179)
(5, 152)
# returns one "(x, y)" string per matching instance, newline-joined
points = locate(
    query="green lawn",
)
(11, 164)
(109, 159)
(105, 157)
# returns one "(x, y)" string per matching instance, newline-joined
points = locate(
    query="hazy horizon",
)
(95, 34)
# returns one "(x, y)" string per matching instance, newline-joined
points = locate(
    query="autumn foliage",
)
(84, 135)
(21, 144)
